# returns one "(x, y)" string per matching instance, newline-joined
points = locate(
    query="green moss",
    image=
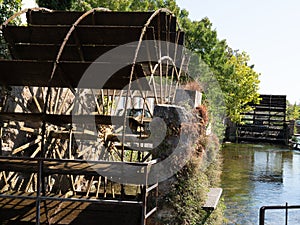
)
(189, 190)
(217, 216)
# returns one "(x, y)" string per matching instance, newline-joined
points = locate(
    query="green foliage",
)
(126, 5)
(202, 39)
(118, 5)
(217, 218)
(238, 81)
(187, 196)
(293, 111)
(7, 9)
(243, 86)
(213, 96)
(55, 4)
(185, 193)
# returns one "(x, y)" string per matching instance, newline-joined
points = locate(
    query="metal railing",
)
(286, 208)
(45, 167)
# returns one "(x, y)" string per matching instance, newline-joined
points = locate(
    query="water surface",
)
(260, 175)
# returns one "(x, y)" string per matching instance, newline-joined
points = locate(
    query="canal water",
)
(260, 175)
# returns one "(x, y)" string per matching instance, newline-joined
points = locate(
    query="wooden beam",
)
(27, 145)
(213, 197)
(69, 74)
(88, 34)
(61, 119)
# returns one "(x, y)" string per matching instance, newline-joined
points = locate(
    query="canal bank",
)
(259, 175)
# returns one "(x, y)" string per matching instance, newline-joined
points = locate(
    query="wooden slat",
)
(273, 119)
(69, 74)
(128, 172)
(260, 108)
(271, 101)
(79, 135)
(98, 18)
(213, 197)
(38, 51)
(49, 52)
(166, 22)
(86, 34)
(22, 73)
(274, 139)
(22, 211)
(19, 165)
(60, 119)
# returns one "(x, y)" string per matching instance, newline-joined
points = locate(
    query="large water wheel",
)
(56, 129)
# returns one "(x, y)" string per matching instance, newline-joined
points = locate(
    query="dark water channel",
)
(260, 175)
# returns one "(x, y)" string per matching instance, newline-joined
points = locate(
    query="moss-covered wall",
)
(181, 197)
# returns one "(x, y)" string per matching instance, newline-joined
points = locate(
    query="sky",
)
(268, 30)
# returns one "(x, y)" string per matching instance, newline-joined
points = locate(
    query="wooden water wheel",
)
(47, 142)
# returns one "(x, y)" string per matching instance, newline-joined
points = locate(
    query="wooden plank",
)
(79, 135)
(38, 51)
(19, 165)
(99, 18)
(87, 34)
(266, 114)
(261, 110)
(128, 172)
(269, 109)
(278, 120)
(271, 100)
(213, 197)
(60, 119)
(69, 74)
(19, 211)
(27, 145)
(35, 51)
(23, 73)
(262, 139)
(103, 35)
(166, 21)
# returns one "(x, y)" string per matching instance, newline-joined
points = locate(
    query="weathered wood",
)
(22, 211)
(75, 167)
(213, 197)
(98, 186)
(265, 123)
(87, 34)
(69, 74)
(78, 135)
(99, 18)
(89, 186)
(27, 145)
(61, 119)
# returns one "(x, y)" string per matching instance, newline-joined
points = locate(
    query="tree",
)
(202, 39)
(293, 111)
(7, 9)
(55, 4)
(126, 5)
(240, 83)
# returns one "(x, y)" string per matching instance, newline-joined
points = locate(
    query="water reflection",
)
(257, 175)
